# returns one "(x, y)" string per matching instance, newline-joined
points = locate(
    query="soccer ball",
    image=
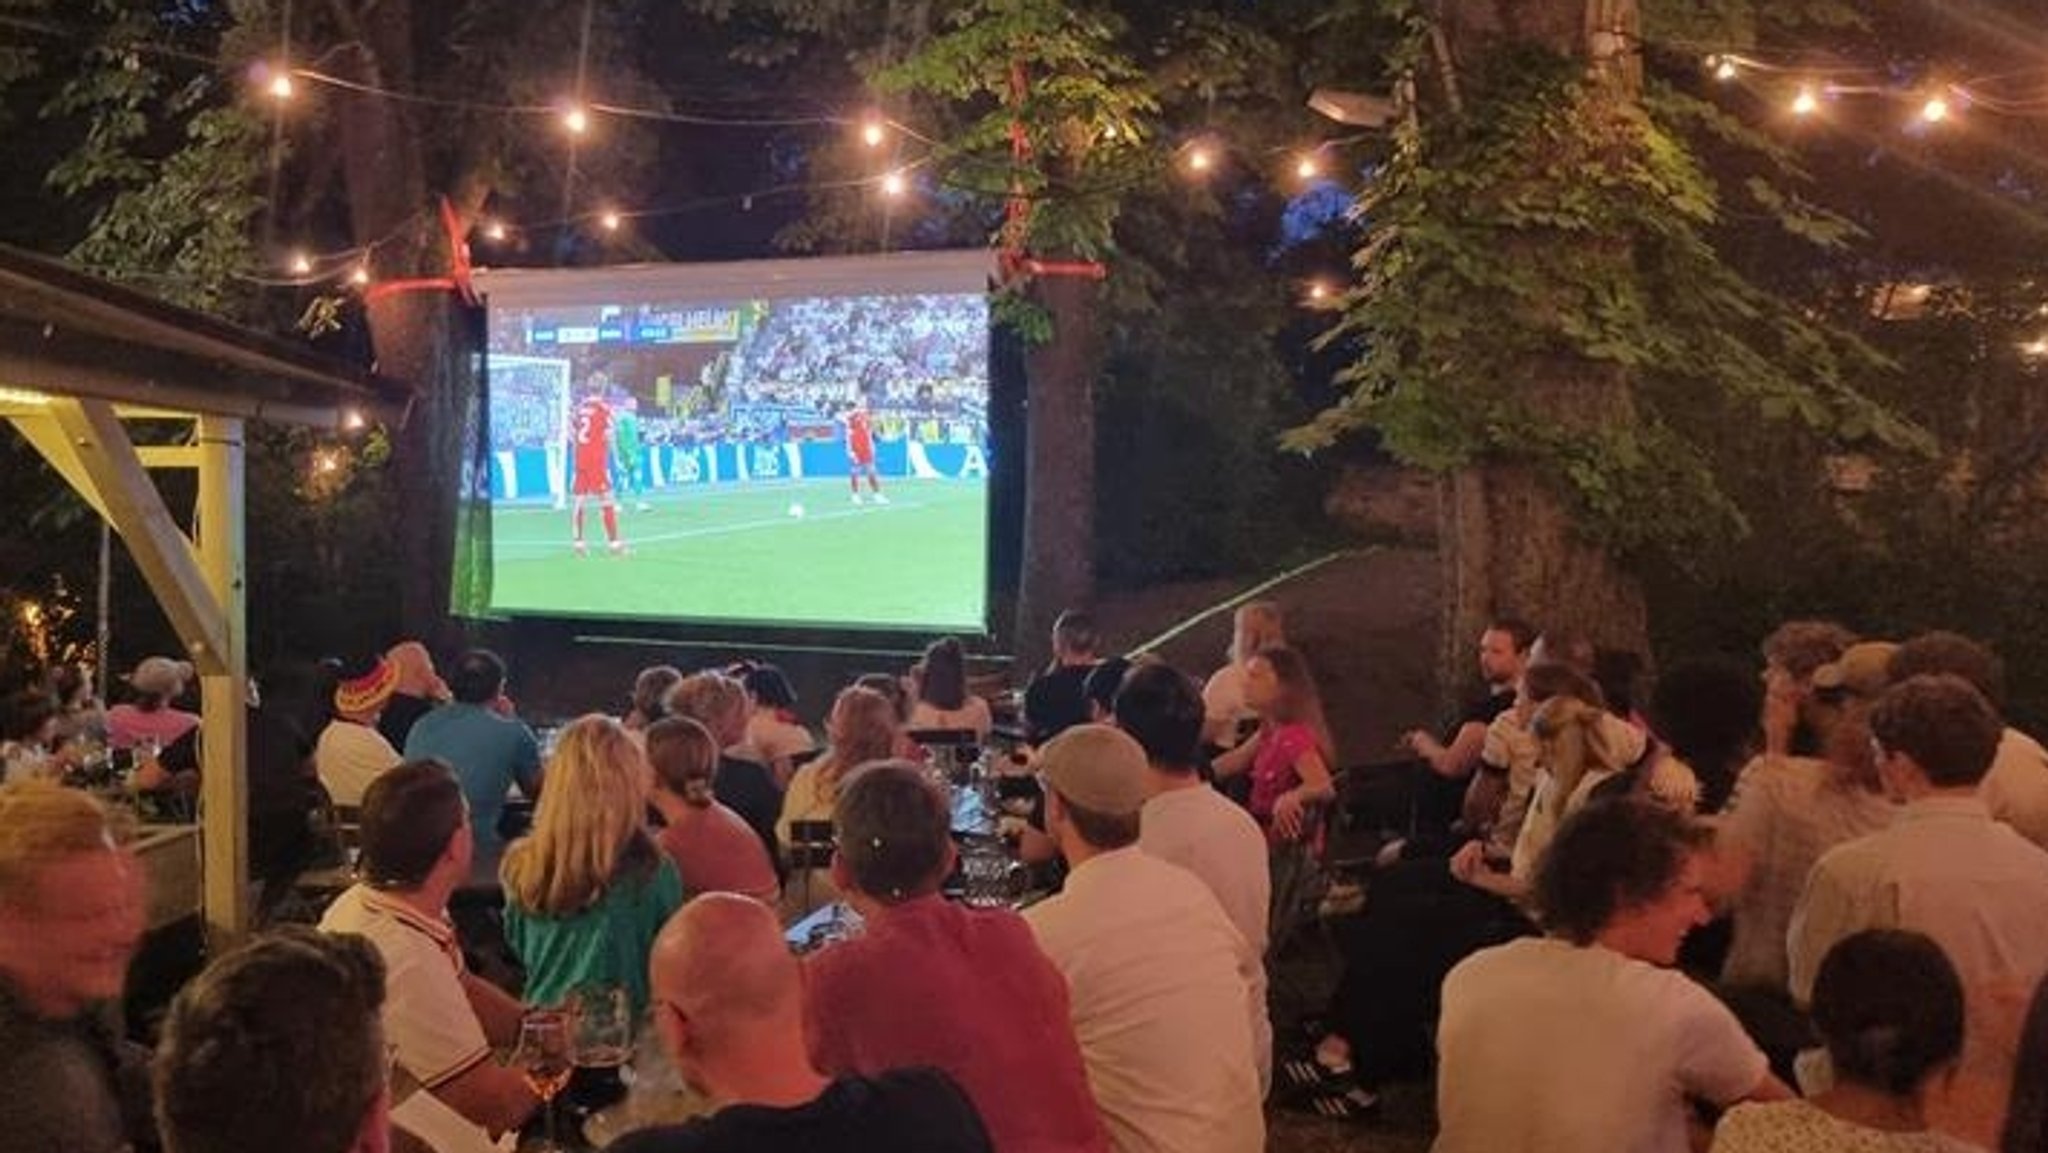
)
(796, 509)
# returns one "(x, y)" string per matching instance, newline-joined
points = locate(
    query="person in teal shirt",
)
(587, 891)
(630, 455)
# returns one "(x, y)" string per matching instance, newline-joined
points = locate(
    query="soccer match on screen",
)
(778, 459)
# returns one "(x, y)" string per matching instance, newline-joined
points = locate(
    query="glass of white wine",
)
(546, 1057)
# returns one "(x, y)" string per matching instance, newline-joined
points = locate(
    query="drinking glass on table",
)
(604, 1043)
(546, 1058)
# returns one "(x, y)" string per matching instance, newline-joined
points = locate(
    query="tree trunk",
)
(1507, 539)
(1059, 475)
(416, 336)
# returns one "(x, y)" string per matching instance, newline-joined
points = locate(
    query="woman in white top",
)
(943, 701)
(1256, 626)
(1890, 1008)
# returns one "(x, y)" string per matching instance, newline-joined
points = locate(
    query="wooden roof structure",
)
(80, 360)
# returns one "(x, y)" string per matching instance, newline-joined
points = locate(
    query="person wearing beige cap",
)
(1164, 990)
(150, 718)
(1786, 812)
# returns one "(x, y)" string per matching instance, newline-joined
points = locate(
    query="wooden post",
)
(224, 735)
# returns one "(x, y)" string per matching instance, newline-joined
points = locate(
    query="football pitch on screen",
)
(772, 552)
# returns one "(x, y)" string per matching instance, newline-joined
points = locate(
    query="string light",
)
(1724, 68)
(894, 184)
(301, 264)
(872, 133)
(611, 221)
(352, 420)
(1805, 103)
(326, 461)
(2035, 349)
(1935, 110)
(494, 231)
(1200, 159)
(280, 85)
(1318, 291)
(1308, 168)
(360, 275)
(576, 120)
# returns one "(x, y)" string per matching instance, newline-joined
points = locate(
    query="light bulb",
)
(1806, 103)
(576, 120)
(1725, 70)
(301, 264)
(1307, 168)
(281, 85)
(494, 231)
(872, 134)
(894, 184)
(1935, 110)
(1199, 159)
(360, 276)
(611, 221)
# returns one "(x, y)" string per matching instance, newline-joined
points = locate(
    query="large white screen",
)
(798, 442)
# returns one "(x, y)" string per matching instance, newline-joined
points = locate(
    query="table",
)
(170, 867)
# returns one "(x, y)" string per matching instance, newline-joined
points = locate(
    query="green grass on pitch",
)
(734, 553)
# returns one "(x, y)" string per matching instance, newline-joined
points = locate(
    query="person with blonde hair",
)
(587, 890)
(71, 918)
(861, 728)
(1257, 625)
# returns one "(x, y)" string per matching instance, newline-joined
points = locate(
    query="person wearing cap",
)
(441, 1020)
(156, 682)
(932, 983)
(491, 750)
(2016, 788)
(1945, 868)
(1787, 811)
(1165, 991)
(351, 752)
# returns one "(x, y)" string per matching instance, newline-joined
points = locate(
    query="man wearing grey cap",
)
(1164, 990)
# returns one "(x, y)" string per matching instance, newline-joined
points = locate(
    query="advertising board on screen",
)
(799, 442)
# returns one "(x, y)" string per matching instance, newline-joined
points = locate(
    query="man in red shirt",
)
(931, 983)
(591, 474)
(860, 452)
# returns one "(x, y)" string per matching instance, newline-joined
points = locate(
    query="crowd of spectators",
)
(1789, 908)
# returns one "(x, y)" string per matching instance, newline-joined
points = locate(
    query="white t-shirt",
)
(434, 1033)
(1164, 992)
(1801, 1127)
(348, 757)
(1550, 1047)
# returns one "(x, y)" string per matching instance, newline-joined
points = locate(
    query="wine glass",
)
(546, 1058)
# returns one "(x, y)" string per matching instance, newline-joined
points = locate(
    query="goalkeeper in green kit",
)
(630, 456)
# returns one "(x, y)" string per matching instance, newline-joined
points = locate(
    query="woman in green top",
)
(588, 889)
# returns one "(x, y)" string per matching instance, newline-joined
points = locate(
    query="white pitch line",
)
(723, 529)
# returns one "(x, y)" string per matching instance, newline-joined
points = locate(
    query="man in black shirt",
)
(1057, 697)
(729, 1007)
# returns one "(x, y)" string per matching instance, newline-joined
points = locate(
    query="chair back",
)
(811, 844)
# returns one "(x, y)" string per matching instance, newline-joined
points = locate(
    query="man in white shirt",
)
(2015, 789)
(350, 752)
(1944, 868)
(1586, 1038)
(1165, 991)
(441, 1020)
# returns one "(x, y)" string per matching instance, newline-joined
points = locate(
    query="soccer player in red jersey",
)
(591, 475)
(860, 452)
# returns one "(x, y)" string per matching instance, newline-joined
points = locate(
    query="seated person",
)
(1890, 1008)
(420, 691)
(1100, 688)
(862, 728)
(1167, 995)
(1586, 1038)
(713, 850)
(156, 682)
(650, 695)
(719, 703)
(1056, 698)
(491, 749)
(71, 919)
(441, 1020)
(350, 752)
(1256, 625)
(278, 1045)
(729, 1010)
(587, 890)
(933, 983)
(773, 730)
(943, 701)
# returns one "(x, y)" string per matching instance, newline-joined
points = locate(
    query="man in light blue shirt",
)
(490, 749)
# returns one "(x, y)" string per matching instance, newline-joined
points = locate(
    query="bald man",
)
(728, 1002)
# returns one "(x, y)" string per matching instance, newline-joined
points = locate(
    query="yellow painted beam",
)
(44, 435)
(131, 504)
(224, 731)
